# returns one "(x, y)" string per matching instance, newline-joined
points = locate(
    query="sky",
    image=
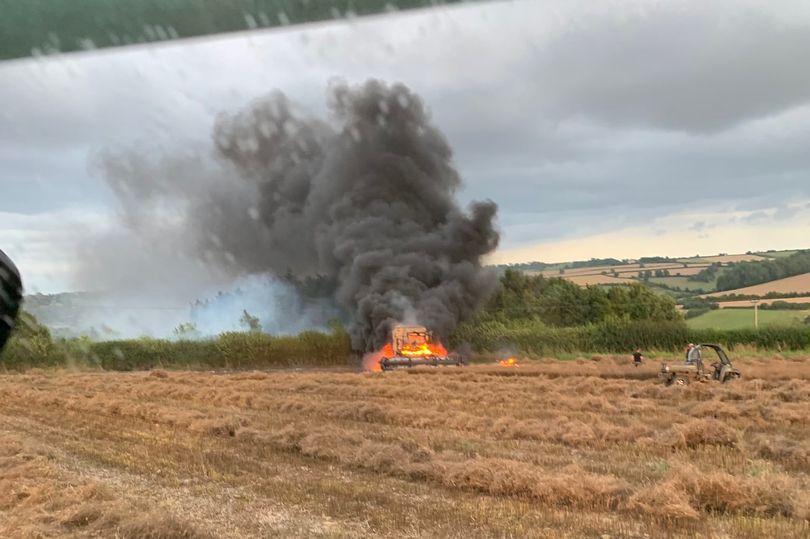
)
(617, 128)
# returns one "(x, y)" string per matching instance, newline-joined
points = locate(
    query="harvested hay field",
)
(686, 272)
(584, 280)
(587, 448)
(628, 269)
(798, 284)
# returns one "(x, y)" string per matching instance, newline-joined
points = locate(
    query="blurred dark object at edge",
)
(10, 296)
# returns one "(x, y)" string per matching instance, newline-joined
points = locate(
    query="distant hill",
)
(687, 276)
(97, 315)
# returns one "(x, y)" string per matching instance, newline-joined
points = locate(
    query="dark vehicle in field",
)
(694, 369)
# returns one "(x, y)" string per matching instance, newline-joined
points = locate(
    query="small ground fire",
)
(508, 362)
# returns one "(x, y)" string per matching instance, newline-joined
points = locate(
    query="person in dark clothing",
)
(637, 357)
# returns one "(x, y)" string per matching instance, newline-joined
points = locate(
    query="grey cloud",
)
(35, 180)
(700, 226)
(757, 217)
(672, 67)
(781, 213)
(690, 67)
(662, 173)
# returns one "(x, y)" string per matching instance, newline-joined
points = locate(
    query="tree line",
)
(744, 274)
(707, 274)
(558, 302)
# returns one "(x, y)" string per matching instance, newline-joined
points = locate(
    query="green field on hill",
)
(778, 254)
(684, 284)
(725, 319)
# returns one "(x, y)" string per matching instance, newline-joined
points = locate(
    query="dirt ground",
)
(593, 448)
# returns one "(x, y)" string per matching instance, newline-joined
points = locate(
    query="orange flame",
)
(422, 349)
(371, 361)
(510, 362)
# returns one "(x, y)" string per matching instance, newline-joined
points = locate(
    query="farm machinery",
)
(694, 370)
(413, 346)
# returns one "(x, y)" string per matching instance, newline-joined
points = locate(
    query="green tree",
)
(558, 302)
(186, 330)
(744, 274)
(250, 322)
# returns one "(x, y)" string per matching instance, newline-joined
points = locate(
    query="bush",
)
(784, 306)
(694, 313)
(538, 339)
(535, 338)
(229, 350)
(767, 338)
(31, 345)
(690, 303)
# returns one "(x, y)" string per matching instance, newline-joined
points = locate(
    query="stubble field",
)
(592, 448)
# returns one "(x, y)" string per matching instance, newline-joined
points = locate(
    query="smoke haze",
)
(279, 308)
(365, 198)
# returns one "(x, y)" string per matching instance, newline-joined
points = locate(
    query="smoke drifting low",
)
(366, 198)
(276, 305)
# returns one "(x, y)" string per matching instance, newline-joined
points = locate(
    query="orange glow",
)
(371, 361)
(423, 349)
(510, 362)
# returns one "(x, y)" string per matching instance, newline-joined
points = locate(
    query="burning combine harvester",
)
(412, 346)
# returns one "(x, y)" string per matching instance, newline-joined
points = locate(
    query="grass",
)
(40, 499)
(586, 448)
(732, 319)
(226, 351)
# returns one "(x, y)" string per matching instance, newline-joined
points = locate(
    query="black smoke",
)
(366, 198)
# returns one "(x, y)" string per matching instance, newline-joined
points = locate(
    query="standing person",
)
(637, 357)
(689, 350)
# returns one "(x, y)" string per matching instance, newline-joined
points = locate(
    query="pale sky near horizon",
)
(612, 129)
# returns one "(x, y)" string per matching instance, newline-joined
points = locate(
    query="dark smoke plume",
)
(367, 199)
